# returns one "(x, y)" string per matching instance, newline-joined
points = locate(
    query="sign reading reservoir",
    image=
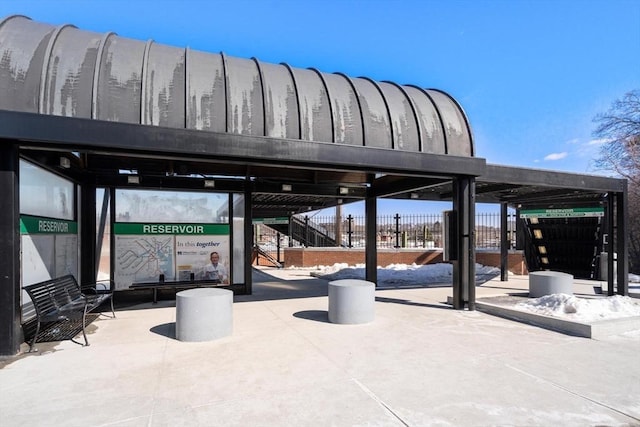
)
(178, 251)
(201, 229)
(49, 248)
(563, 213)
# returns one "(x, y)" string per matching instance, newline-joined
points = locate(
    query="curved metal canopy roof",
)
(66, 71)
(153, 103)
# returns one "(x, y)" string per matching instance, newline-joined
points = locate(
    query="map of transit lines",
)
(143, 258)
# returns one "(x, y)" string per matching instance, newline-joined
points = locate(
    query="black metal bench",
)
(63, 300)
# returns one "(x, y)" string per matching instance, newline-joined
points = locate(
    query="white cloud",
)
(556, 156)
(601, 141)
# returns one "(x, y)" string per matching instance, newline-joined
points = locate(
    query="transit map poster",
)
(144, 251)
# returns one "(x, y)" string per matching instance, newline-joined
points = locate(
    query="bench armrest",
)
(99, 287)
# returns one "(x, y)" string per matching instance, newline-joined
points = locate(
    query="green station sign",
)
(42, 225)
(162, 228)
(563, 213)
(271, 221)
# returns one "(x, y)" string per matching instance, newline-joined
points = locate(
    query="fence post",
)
(397, 231)
(306, 231)
(349, 229)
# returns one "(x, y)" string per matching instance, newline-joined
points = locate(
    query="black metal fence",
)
(393, 231)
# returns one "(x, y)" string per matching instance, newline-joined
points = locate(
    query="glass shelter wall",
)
(48, 226)
(48, 229)
(170, 235)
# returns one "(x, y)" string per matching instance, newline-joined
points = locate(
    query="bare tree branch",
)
(620, 127)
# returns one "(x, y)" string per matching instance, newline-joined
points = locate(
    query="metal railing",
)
(393, 231)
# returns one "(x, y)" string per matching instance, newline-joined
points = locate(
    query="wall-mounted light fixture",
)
(343, 190)
(133, 179)
(414, 196)
(287, 187)
(65, 163)
(209, 183)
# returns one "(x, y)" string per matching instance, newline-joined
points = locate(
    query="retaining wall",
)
(310, 257)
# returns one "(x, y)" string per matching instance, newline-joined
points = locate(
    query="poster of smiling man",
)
(203, 258)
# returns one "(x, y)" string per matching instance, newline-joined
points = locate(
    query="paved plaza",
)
(419, 363)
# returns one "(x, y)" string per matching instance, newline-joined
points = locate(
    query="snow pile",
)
(583, 309)
(401, 274)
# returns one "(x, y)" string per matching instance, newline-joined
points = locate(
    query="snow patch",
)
(582, 309)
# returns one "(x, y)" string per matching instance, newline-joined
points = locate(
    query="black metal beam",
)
(622, 245)
(611, 217)
(10, 311)
(317, 190)
(464, 264)
(153, 141)
(391, 185)
(554, 179)
(504, 243)
(371, 250)
(248, 241)
(87, 221)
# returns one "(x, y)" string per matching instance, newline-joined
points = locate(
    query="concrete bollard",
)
(351, 301)
(204, 314)
(549, 282)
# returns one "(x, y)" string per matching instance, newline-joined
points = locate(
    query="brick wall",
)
(309, 257)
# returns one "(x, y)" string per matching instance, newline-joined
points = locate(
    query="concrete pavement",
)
(419, 363)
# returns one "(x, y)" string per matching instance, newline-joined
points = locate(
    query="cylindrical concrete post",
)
(351, 301)
(204, 314)
(549, 282)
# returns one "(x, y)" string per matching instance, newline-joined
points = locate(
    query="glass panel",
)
(206, 108)
(346, 111)
(281, 105)
(164, 87)
(120, 80)
(24, 43)
(246, 115)
(43, 193)
(314, 106)
(432, 134)
(238, 239)
(69, 82)
(171, 206)
(405, 126)
(458, 141)
(374, 114)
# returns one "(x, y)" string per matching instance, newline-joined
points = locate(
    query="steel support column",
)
(10, 311)
(622, 247)
(464, 291)
(248, 239)
(610, 245)
(87, 221)
(371, 240)
(504, 242)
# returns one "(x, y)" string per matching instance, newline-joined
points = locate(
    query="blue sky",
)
(531, 75)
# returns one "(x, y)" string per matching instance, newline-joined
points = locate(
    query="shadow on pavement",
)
(317, 315)
(166, 330)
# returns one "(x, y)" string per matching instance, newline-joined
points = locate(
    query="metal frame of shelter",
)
(278, 173)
